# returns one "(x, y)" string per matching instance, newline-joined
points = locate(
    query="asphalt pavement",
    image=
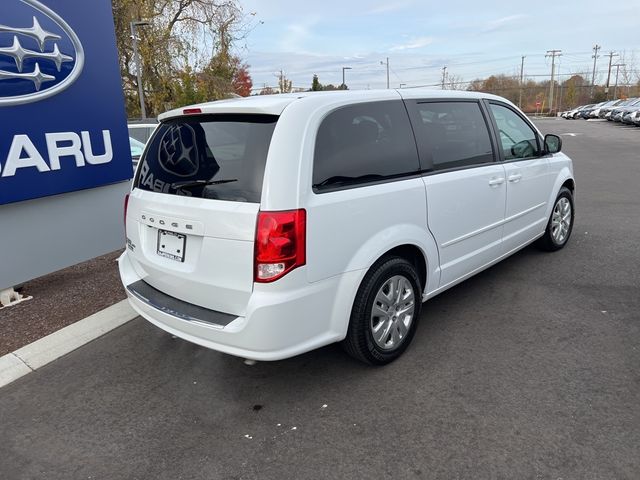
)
(530, 369)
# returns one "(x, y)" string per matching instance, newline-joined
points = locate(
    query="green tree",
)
(316, 86)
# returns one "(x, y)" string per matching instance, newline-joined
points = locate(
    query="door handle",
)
(494, 182)
(515, 178)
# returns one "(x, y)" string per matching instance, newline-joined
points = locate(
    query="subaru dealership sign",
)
(61, 102)
(65, 158)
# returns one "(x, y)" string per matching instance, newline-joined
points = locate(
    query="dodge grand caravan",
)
(269, 226)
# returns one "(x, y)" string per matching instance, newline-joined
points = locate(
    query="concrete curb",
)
(41, 352)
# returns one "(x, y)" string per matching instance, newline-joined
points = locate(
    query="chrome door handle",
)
(494, 182)
(515, 178)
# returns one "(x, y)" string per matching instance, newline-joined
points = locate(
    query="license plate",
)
(171, 245)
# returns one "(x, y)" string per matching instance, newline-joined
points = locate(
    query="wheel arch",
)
(404, 240)
(570, 183)
(414, 255)
(409, 241)
(564, 179)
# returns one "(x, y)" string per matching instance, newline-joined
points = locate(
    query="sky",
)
(473, 39)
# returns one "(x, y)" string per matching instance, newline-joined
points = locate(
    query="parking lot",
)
(530, 369)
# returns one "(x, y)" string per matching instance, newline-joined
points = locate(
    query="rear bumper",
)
(283, 319)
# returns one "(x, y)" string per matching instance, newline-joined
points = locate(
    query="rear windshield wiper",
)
(340, 180)
(201, 183)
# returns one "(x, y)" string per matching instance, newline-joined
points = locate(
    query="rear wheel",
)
(560, 223)
(385, 312)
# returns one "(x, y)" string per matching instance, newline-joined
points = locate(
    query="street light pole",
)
(343, 69)
(134, 25)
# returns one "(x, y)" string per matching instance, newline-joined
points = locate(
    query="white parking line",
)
(41, 352)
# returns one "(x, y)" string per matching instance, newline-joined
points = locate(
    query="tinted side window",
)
(452, 135)
(518, 139)
(363, 143)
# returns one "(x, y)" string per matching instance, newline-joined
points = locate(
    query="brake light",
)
(191, 111)
(126, 206)
(280, 244)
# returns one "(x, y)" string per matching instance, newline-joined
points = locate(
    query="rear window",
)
(220, 157)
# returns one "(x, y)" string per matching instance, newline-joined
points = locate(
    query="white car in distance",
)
(269, 226)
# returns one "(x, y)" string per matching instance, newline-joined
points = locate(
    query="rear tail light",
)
(126, 206)
(191, 111)
(280, 244)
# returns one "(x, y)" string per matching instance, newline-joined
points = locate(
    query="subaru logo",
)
(40, 55)
(178, 151)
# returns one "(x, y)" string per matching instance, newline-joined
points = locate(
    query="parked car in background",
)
(137, 148)
(595, 113)
(568, 115)
(577, 112)
(635, 118)
(142, 130)
(606, 112)
(618, 112)
(585, 111)
(268, 226)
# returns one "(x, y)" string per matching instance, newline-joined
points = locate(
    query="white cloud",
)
(297, 34)
(418, 42)
(499, 23)
(389, 7)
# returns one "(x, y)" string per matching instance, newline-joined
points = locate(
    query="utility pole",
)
(595, 56)
(134, 37)
(611, 54)
(521, 82)
(387, 63)
(617, 65)
(553, 54)
(444, 75)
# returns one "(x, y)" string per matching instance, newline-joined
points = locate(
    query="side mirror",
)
(552, 143)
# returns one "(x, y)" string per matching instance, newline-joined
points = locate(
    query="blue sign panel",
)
(62, 119)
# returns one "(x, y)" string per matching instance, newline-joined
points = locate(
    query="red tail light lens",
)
(191, 111)
(126, 206)
(280, 244)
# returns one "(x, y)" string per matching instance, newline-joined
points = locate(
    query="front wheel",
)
(385, 312)
(560, 223)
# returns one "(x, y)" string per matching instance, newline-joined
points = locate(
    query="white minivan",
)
(269, 226)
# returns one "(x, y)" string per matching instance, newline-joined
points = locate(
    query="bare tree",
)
(628, 70)
(182, 36)
(284, 84)
(455, 82)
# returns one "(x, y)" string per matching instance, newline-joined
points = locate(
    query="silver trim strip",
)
(492, 226)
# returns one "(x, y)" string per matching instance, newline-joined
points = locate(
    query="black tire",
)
(547, 242)
(359, 342)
